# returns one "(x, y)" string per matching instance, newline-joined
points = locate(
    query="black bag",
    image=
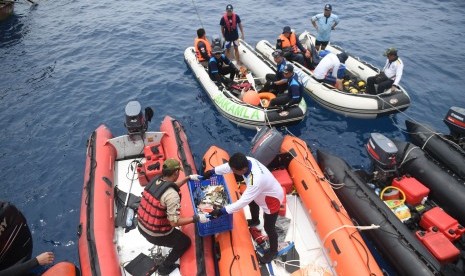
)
(380, 78)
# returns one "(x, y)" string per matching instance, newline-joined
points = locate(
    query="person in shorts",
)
(229, 23)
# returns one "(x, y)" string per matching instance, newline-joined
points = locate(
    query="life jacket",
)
(289, 42)
(151, 213)
(207, 45)
(230, 26)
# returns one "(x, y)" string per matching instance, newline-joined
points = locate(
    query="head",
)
(342, 57)
(171, 167)
(217, 51)
(277, 55)
(288, 70)
(328, 9)
(287, 31)
(239, 163)
(229, 9)
(391, 53)
(200, 33)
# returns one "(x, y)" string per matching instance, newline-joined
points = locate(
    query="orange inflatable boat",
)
(116, 167)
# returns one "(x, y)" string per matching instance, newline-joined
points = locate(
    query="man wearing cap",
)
(203, 49)
(229, 23)
(389, 77)
(324, 23)
(158, 214)
(295, 89)
(276, 83)
(289, 43)
(219, 65)
(331, 69)
(262, 191)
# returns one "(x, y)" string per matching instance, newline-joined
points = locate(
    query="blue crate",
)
(220, 224)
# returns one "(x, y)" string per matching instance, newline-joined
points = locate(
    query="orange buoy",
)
(62, 269)
(265, 98)
(251, 97)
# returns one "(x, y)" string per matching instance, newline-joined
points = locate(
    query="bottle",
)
(129, 217)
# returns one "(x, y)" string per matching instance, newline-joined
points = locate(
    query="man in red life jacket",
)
(229, 23)
(203, 49)
(293, 50)
(158, 214)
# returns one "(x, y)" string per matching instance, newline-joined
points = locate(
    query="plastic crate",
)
(214, 226)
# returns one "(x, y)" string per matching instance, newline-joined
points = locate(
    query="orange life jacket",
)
(230, 26)
(207, 45)
(289, 42)
(151, 214)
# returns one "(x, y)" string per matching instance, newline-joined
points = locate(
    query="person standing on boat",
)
(330, 69)
(229, 23)
(262, 191)
(219, 65)
(293, 50)
(295, 89)
(158, 214)
(202, 46)
(389, 77)
(276, 83)
(324, 23)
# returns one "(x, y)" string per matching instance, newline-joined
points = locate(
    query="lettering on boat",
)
(238, 110)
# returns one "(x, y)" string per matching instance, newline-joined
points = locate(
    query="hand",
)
(195, 177)
(209, 174)
(393, 88)
(202, 218)
(45, 258)
(218, 213)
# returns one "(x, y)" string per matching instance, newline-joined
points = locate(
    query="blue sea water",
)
(68, 66)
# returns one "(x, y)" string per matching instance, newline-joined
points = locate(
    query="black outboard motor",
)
(455, 121)
(135, 122)
(15, 236)
(266, 145)
(382, 152)
(217, 41)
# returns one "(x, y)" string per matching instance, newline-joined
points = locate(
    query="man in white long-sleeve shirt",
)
(263, 190)
(389, 77)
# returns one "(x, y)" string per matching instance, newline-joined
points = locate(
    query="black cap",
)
(277, 53)
(342, 57)
(328, 7)
(217, 50)
(288, 68)
(287, 29)
(229, 7)
(390, 51)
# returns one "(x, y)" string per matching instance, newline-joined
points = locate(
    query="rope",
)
(198, 15)
(350, 226)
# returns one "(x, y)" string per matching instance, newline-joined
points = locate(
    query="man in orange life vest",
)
(203, 49)
(229, 23)
(158, 214)
(293, 50)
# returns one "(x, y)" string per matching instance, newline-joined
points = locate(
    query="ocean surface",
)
(68, 66)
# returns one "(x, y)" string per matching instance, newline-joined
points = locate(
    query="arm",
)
(250, 193)
(45, 258)
(294, 94)
(336, 21)
(314, 18)
(399, 71)
(242, 31)
(213, 70)
(301, 47)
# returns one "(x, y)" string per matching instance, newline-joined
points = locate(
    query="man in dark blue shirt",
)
(295, 89)
(229, 23)
(219, 65)
(276, 83)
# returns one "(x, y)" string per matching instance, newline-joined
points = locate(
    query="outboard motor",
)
(136, 123)
(266, 145)
(217, 41)
(15, 236)
(382, 152)
(455, 121)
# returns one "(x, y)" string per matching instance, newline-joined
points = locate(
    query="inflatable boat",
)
(446, 149)
(419, 214)
(324, 235)
(117, 170)
(240, 103)
(349, 101)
